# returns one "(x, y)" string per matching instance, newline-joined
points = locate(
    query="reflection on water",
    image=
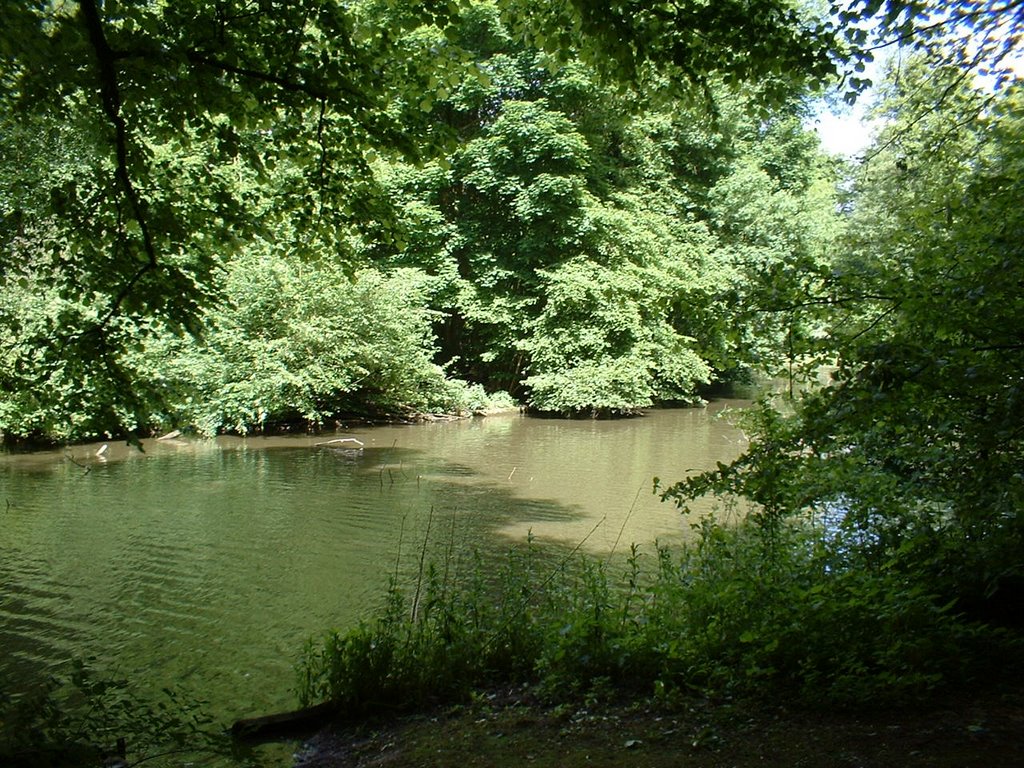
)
(209, 563)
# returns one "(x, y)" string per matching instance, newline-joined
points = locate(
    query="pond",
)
(207, 564)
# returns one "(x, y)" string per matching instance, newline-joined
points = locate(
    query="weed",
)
(729, 614)
(84, 718)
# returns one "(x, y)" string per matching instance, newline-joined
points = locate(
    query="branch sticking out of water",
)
(339, 440)
(423, 557)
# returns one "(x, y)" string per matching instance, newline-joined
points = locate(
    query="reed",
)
(723, 616)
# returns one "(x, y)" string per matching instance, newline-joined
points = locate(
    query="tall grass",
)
(725, 615)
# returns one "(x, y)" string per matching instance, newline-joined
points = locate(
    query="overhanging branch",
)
(111, 98)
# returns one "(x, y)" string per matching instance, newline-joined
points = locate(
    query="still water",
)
(207, 564)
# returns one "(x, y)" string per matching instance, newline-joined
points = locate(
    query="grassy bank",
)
(742, 612)
(752, 646)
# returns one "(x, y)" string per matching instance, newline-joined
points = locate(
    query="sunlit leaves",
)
(302, 344)
(915, 441)
(981, 37)
(200, 128)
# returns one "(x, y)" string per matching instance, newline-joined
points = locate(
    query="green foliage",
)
(453, 633)
(764, 41)
(85, 718)
(216, 130)
(798, 615)
(916, 437)
(725, 615)
(933, 31)
(144, 143)
(775, 218)
(592, 266)
(182, 131)
(305, 342)
(293, 342)
(597, 348)
(77, 397)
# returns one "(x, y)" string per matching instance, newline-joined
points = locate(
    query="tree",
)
(577, 234)
(182, 116)
(917, 438)
(168, 105)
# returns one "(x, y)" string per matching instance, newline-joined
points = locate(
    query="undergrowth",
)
(82, 717)
(730, 614)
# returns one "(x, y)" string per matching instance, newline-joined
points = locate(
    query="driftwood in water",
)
(284, 725)
(340, 440)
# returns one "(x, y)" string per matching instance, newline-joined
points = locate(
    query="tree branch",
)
(198, 57)
(320, 93)
(111, 97)
(995, 13)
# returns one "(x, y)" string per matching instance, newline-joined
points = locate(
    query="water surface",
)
(208, 563)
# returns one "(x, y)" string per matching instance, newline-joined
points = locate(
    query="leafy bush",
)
(602, 345)
(305, 341)
(742, 610)
(83, 718)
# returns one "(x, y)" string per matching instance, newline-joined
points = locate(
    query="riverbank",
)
(983, 728)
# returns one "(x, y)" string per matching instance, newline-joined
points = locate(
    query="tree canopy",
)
(517, 152)
(915, 443)
(146, 143)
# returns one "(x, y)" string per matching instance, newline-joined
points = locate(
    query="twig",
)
(385, 466)
(335, 441)
(77, 463)
(423, 557)
(448, 559)
(209, 752)
(624, 522)
(401, 535)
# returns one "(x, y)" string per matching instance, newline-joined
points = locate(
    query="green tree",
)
(917, 438)
(562, 279)
(195, 127)
(775, 217)
(592, 257)
(300, 342)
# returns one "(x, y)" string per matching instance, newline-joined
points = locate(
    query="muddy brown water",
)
(206, 564)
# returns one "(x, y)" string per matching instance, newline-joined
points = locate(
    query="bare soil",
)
(976, 728)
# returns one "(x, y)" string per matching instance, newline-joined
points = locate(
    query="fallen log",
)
(339, 441)
(284, 725)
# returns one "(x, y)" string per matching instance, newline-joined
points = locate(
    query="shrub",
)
(83, 718)
(727, 614)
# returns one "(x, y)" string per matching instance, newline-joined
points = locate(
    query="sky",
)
(844, 134)
(848, 133)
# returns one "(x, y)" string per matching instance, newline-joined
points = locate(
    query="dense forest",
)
(219, 216)
(245, 225)
(512, 220)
